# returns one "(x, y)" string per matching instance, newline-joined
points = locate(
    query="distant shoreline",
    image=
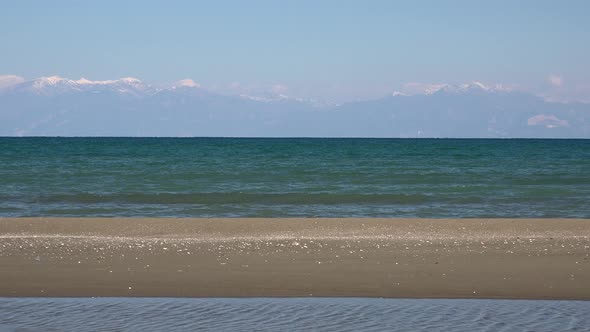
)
(391, 258)
(314, 137)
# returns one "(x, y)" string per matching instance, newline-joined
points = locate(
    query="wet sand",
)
(404, 258)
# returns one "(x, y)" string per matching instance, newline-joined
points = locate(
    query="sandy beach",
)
(396, 258)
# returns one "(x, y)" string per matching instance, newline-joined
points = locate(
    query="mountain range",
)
(55, 106)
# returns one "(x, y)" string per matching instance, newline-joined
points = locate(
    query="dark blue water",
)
(216, 177)
(260, 314)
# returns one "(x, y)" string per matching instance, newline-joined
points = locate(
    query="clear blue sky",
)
(338, 49)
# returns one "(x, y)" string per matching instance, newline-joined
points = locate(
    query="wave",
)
(232, 198)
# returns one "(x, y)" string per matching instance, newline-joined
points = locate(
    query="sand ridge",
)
(450, 258)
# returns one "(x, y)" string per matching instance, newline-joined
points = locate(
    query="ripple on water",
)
(295, 314)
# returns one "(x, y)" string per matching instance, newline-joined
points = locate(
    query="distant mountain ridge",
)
(56, 106)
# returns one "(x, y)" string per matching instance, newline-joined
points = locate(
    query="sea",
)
(295, 314)
(294, 177)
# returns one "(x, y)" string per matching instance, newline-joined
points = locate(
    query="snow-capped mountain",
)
(46, 86)
(411, 89)
(56, 85)
(56, 106)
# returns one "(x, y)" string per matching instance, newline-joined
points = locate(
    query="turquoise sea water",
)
(227, 177)
(311, 314)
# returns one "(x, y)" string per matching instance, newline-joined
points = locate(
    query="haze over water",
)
(233, 177)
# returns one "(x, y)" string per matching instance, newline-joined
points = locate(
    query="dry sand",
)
(434, 258)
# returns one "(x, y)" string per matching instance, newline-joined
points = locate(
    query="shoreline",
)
(295, 257)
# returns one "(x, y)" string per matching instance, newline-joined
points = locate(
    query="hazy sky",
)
(339, 50)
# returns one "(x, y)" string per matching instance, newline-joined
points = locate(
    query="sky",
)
(333, 50)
